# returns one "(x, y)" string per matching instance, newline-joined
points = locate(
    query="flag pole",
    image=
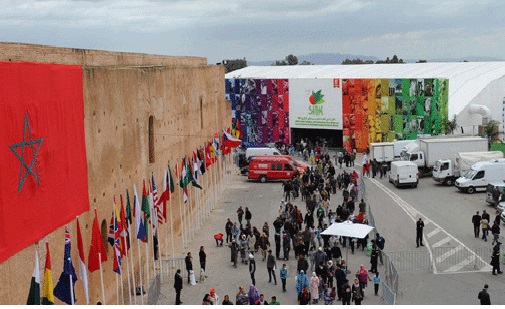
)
(172, 232)
(141, 287)
(101, 276)
(147, 263)
(122, 288)
(132, 271)
(71, 291)
(117, 287)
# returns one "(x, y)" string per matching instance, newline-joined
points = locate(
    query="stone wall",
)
(185, 99)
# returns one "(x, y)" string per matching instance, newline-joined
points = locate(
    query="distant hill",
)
(335, 58)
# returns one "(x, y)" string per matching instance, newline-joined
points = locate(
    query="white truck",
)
(382, 152)
(425, 152)
(398, 147)
(481, 174)
(446, 171)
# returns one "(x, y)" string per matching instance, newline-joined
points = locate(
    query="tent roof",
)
(466, 79)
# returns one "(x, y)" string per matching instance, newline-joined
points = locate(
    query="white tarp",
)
(315, 103)
(348, 229)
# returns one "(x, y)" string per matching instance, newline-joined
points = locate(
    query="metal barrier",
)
(170, 267)
(388, 295)
(154, 290)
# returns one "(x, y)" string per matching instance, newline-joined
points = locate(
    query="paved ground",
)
(263, 201)
(455, 277)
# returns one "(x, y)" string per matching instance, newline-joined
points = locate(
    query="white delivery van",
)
(260, 151)
(404, 173)
(482, 173)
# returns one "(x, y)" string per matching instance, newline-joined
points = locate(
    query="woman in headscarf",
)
(206, 300)
(362, 275)
(357, 292)
(214, 298)
(301, 281)
(253, 295)
(304, 297)
(314, 285)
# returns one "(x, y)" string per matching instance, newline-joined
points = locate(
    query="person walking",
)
(283, 274)
(314, 286)
(346, 293)
(178, 287)
(495, 230)
(189, 265)
(228, 229)
(476, 224)
(252, 268)
(376, 282)
(240, 214)
(484, 224)
(419, 232)
(357, 292)
(271, 264)
(248, 216)
(495, 259)
(233, 251)
(484, 296)
(286, 245)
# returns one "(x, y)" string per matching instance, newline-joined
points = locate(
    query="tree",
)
(357, 61)
(392, 60)
(280, 62)
(232, 65)
(492, 131)
(292, 59)
(305, 62)
(421, 61)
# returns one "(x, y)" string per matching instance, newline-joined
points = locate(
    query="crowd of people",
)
(297, 234)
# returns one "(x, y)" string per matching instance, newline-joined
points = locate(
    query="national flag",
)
(64, 289)
(177, 172)
(124, 233)
(97, 247)
(157, 205)
(208, 157)
(185, 178)
(141, 230)
(34, 294)
(128, 208)
(82, 264)
(196, 166)
(212, 151)
(145, 209)
(171, 180)
(238, 130)
(116, 242)
(201, 159)
(47, 290)
(113, 224)
(43, 163)
(194, 181)
(230, 141)
(165, 196)
(153, 216)
(216, 144)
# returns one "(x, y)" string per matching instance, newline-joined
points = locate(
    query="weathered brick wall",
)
(188, 106)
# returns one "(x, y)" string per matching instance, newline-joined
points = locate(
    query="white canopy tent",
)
(348, 229)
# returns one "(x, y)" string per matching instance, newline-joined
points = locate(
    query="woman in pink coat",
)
(362, 275)
(314, 285)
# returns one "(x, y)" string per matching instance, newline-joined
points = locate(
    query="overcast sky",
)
(263, 30)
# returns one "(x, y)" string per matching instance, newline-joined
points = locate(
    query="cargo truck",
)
(446, 171)
(426, 151)
(382, 152)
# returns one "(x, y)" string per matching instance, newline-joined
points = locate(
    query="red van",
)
(265, 168)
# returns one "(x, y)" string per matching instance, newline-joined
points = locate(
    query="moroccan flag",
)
(42, 151)
(96, 247)
(64, 289)
(47, 290)
(128, 208)
(83, 272)
(34, 294)
(230, 141)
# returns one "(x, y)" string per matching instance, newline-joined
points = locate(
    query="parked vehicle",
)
(382, 152)
(482, 173)
(404, 173)
(493, 192)
(446, 171)
(265, 168)
(301, 167)
(252, 152)
(398, 147)
(426, 151)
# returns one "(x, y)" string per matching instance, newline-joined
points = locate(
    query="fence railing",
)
(170, 267)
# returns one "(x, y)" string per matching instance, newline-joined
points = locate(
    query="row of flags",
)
(151, 212)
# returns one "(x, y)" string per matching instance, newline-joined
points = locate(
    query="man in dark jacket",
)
(484, 296)
(203, 257)
(341, 277)
(178, 287)
(476, 224)
(270, 267)
(302, 264)
(248, 215)
(419, 232)
(495, 259)
(277, 238)
(189, 264)
(228, 228)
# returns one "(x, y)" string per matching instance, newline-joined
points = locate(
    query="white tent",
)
(349, 229)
